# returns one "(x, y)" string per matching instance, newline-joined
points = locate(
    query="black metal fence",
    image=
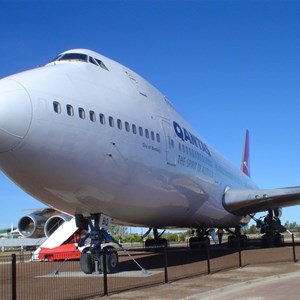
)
(22, 278)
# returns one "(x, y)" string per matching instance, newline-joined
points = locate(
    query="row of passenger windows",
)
(193, 153)
(111, 121)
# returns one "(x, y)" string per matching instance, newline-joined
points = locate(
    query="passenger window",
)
(127, 126)
(81, 113)
(119, 124)
(141, 131)
(158, 138)
(56, 107)
(152, 136)
(70, 110)
(92, 116)
(147, 133)
(102, 119)
(111, 121)
(134, 128)
(179, 147)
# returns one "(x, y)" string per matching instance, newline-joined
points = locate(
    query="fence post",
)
(104, 273)
(13, 277)
(208, 257)
(166, 264)
(240, 252)
(294, 251)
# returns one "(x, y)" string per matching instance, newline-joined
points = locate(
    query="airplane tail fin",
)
(245, 167)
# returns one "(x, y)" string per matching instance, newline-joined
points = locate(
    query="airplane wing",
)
(242, 202)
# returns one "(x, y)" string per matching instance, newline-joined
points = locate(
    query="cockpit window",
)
(56, 58)
(74, 56)
(91, 60)
(101, 64)
(80, 57)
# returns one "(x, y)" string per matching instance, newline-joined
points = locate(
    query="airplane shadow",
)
(180, 256)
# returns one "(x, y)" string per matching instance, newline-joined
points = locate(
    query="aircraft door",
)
(170, 143)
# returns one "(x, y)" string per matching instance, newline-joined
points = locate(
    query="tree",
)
(292, 226)
(252, 230)
(118, 230)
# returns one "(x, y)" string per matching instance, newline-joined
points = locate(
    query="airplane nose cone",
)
(15, 114)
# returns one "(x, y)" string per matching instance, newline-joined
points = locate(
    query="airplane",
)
(90, 138)
(9, 232)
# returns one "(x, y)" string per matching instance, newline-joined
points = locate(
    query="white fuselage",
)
(81, 145)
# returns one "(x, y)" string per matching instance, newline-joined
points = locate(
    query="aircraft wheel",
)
(205, 241)
(233, 242)
(230, 241)
(199, 242)
(156, 243)
(164, 242)
(193, 242)
(112, 260)
(266, 241)
(278, 240)
(243, 240)
(86, 262)
(149, 243)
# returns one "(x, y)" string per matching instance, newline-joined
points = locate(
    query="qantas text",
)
(185, 136)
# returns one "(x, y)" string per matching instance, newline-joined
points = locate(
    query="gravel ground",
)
(187, 275)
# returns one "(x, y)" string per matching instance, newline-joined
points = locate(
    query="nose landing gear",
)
(91, 258)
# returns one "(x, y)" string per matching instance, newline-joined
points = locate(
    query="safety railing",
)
(24, 278)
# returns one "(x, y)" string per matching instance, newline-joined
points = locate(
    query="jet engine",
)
(54, 222)
(41, 222)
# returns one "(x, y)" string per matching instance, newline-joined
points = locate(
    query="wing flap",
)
(242, 202)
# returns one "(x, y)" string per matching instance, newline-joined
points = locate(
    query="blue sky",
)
(226, 65)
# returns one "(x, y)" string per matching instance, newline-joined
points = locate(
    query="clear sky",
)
(226, 65)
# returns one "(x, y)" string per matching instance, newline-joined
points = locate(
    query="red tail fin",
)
(245, 167)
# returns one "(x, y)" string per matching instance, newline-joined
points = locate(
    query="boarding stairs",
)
(58, 237)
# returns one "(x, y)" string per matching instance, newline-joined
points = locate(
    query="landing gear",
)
(89, 263)
(236, 239)
(112, 260)
(271, 229)
(91, 258)
(157, 241)
(201, 240)
(86, 262)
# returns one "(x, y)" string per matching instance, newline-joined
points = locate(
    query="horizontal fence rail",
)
(25, 278)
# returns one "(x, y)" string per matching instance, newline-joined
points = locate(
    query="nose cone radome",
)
(15, 114)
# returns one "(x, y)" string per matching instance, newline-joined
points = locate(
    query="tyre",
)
(149, 243)
(199, 242)
(266, 241)
(194, 243)
(112, 260)
(163, 242)
(233, 242)
(243, 241)
(86, 262)
(278, 240)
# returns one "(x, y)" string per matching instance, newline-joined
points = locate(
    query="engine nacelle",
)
(278, 212)
(54, 222)
(41, 223)
(32, 226)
